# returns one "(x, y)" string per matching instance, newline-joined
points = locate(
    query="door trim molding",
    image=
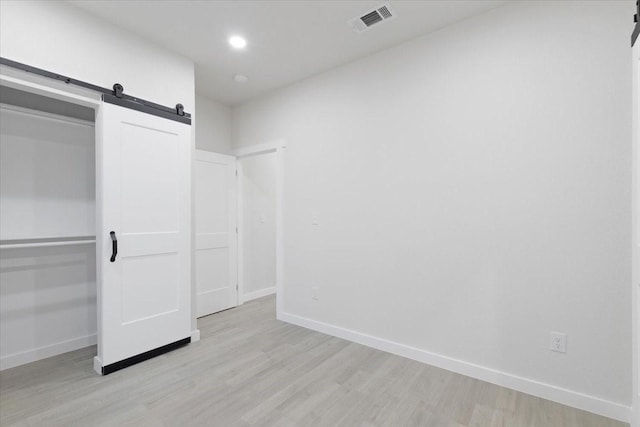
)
(257, 149)
(635, 239)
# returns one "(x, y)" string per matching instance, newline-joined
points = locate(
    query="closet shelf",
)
(41, 242)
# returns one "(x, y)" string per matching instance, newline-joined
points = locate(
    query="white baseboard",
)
(97, 365)
(258, 294)
(17, 359)
(195, 335)
(526, 385)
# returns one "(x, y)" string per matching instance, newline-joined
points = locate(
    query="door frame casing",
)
(635, 240)
(279, 148)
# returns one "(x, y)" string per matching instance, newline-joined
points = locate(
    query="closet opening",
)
(257, 219)
(47, 227)
(260, 218)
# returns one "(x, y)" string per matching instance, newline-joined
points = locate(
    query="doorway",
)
(257, 218)
(261, 171)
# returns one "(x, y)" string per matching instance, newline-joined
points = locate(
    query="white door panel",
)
(216, 239)
(144, 197)
(151, 178)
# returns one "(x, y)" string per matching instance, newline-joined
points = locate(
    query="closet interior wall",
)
(47, 227)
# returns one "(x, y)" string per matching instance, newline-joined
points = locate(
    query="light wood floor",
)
(250, 369)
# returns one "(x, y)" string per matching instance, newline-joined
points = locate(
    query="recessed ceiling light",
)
(237, 42)
(240, 78)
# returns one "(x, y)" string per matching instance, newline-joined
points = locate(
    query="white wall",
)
(59, 37)
(259, 225)
(64, 39)
(473, 194)
(212, 126)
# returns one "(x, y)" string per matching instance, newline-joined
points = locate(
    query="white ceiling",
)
(287, 40)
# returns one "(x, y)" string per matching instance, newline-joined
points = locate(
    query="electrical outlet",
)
(558, 342)
(315, 293)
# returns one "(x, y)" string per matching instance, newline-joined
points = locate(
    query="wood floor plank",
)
(250, 369)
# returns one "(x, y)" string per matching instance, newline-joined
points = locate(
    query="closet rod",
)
(46, 242)
(44, 114)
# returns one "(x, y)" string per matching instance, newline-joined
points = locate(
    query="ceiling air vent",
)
(369, 19)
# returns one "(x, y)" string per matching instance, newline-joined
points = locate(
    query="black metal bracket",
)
(636, 30)
(118, 90)
(180, 109)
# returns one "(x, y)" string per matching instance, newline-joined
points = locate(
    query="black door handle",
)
(114, 246)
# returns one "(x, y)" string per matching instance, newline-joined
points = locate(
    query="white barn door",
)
(143, 202)
(216, 232)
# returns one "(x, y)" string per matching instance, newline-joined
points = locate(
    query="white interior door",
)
(144, 197)
(636, 235)
(216, 232)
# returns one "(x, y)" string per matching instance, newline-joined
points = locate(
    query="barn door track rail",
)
(115, 95)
